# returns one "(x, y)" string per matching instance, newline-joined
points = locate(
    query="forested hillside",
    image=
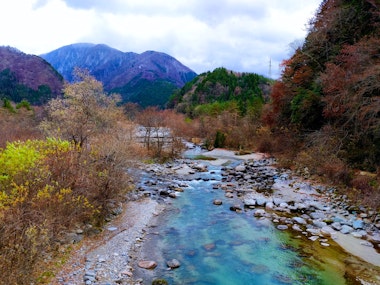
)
(329, 91)
(220, 90)
(27, 77)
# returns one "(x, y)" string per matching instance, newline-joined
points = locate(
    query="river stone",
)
(217, 202)
(249, 202)
(327, 231)
(338, 219)
(240, 168)
(209, 246)
(313, 238)
(359, 234)
(247, 177)
(174, 263)
(261, 201)
(282, 227)
(236, 208)
(260, 213)
(336, 226)
(277, 201)
(346, 229)
(319, 224)
(147, 264)
(269, 205)
(317, 215)
(314, 232)
(300, 220)
(200, 167)
(358, 224)
(296, 228)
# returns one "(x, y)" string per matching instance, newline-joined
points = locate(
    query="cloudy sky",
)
(241, 35)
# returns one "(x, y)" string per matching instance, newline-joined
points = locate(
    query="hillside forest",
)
(63, 158)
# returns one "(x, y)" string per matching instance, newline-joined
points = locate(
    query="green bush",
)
(24, 104)
(220, 139)
(7, 104)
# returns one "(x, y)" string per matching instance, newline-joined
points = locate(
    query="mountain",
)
(151, 75)
(24, 76)
(219, 90)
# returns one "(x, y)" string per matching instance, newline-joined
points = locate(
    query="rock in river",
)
(173, 263)
(147, 264)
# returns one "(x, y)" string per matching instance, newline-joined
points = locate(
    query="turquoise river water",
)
(217, 246)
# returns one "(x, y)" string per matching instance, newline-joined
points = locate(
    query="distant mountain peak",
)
(119, 70)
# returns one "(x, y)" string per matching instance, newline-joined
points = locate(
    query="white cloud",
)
(241, 35)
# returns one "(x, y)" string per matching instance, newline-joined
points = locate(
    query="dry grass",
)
(21, 125)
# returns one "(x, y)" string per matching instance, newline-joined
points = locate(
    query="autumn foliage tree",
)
(351, 86)
(331, 82)
(84, 111)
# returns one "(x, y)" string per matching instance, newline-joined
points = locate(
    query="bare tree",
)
(84, 111)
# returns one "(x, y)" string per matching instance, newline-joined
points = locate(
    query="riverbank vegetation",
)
(62, 169)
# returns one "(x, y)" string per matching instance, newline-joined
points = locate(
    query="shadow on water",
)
(217, 246)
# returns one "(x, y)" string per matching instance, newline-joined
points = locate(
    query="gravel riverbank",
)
(107, 258)
(351, 243)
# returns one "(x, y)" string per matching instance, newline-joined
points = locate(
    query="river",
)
(215, 245)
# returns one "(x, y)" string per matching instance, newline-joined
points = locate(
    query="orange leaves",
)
(303, 75)
(352, 84)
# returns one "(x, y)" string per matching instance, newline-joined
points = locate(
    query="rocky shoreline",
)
(314, 212)
(107, 258)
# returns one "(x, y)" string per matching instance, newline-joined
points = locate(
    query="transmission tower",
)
(270, 68)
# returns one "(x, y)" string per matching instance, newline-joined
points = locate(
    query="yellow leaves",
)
(23, 167)
(3, 199)
(19, 158)
(63, 193)
(45, 193)
(103, 173)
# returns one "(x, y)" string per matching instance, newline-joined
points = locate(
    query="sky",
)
(240, 35)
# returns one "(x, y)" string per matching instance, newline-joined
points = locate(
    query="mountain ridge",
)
(121, 71)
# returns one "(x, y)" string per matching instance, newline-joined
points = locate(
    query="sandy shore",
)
(223, 156)
(355, 247)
